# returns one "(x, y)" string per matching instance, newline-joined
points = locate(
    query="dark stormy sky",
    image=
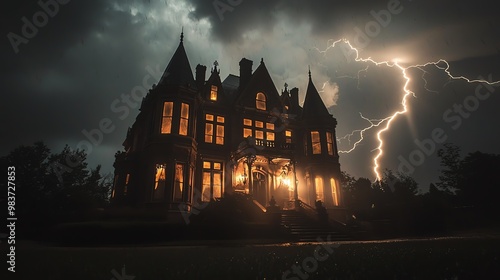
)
(66, 76)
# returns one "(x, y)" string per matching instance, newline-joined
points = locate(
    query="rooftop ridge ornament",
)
(309, 72)
(182, 35)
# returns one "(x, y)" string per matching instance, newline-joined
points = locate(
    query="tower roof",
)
(313, 104)
(178, 71)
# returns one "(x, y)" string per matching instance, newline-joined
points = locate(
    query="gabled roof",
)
(260, 81)
(313, 104)
(178, 71)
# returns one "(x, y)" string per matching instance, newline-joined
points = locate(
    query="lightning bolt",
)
(441, 64)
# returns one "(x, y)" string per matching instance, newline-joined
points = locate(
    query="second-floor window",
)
(184, 120)
(214, 129)
(316, 143)
(329, 142)
(166, 122)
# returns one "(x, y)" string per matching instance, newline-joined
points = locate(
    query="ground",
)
(464, 257)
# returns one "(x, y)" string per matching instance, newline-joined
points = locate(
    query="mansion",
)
(197, 139)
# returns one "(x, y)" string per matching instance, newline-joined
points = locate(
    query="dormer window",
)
(260, 101)
(213, 93)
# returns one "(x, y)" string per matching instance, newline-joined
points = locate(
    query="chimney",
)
(200, 75)
(245, 72)
(294, 97)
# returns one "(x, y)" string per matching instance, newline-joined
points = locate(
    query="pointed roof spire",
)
(313, 104)
(178, 71)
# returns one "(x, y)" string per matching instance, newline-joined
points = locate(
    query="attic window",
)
(260, 101)
(213, 93)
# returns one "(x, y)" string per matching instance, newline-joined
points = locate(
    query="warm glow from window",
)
(166, 123)
(159, 187)
(219, 139)
(259, 134)
(213, 93)
(335, 194)
(270, 136)
(247, 122)
(260, 101)
(179, 182)
(316, 143)
(212, 180)
(270, 126)
(247, 132)
(125, 188)
(259, 124)
(288, 136)
(318, 182)
(209, 132)
(209, 129)
(184, 121)
(329, 142)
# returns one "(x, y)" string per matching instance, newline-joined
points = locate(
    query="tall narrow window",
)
(159, 187)
(260, 101)
(288, 136)
(125, 188)
(335, 193)
(212, 180)
(179, 182)
(214, 126)
(320, 195)
(184, 120)
(316, 143)
(166, 123)
(213, 93)
(329, 142)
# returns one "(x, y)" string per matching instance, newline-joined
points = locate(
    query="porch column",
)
(250, 160)
(295, 181)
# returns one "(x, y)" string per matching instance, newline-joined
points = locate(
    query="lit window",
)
(259, 124)
(184, 121)
(270, 136)
(259, 134)
(316, 143)
(125, 188)
(318, 182)
(209, 132)
(159, 187)
(247, 133)
(209, 129)
(212, 180)
(166, 124)
(247, 122)
(329, 143)
(213, 93)
(335, 194)
(260, 101)
(270, 126)
(288, 136)
(179, 182)
(219, 139)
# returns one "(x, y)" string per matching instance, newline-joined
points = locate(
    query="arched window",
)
(260, 101)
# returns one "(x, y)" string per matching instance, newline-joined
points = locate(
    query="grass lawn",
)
(442, 258)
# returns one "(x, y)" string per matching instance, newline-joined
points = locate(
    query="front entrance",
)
(259, 187)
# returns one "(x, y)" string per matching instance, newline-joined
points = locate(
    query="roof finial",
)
(286, 86)
(182, 35)
(309, 72)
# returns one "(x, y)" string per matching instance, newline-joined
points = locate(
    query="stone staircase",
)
(305, 229)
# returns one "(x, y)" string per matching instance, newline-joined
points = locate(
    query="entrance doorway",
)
(259, 187)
